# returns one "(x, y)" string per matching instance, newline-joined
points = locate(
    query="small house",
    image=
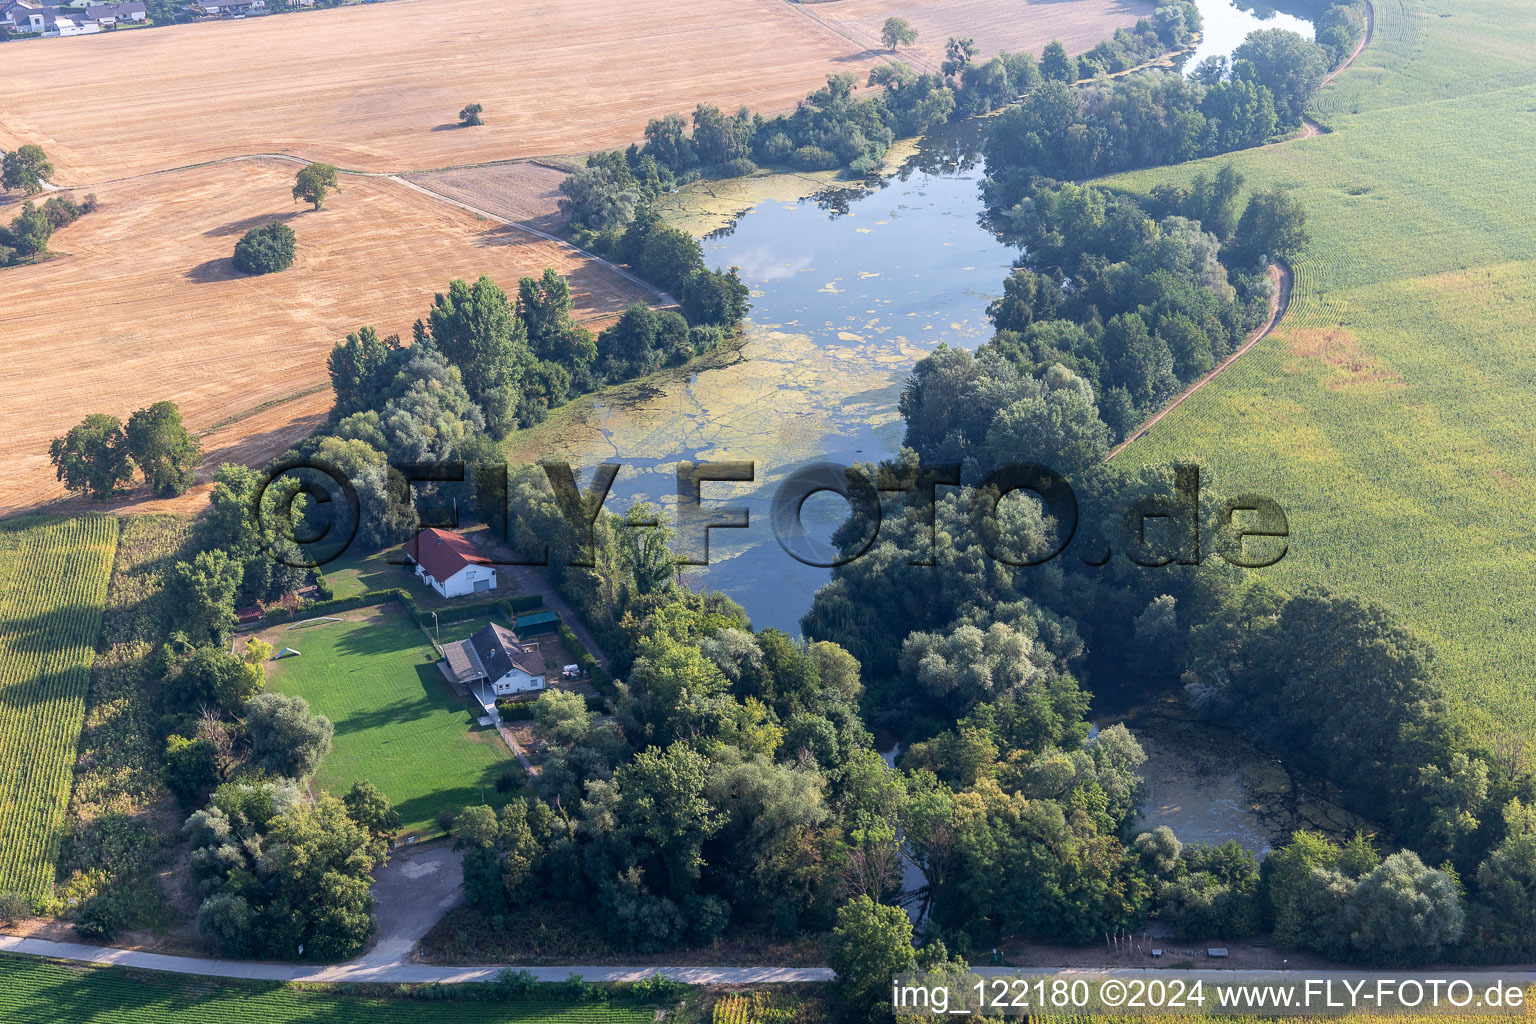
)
(112, 15)
(449, 564)
(495, 658)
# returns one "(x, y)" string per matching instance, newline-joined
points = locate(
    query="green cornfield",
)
(43, 992)
(1393, 413)
(53, 586)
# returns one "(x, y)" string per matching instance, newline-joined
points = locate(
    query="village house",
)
(494, 659)
(449, 564)
(111, 15)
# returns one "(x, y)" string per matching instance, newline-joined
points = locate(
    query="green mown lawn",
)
(398, 722)
(42, 992)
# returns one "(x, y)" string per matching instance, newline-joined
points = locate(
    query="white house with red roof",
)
(449, 564)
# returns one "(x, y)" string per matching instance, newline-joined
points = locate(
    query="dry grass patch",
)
(146, 305)
(1339, 349)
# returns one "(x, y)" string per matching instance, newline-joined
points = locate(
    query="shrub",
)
(737, 168)
(814, 158)
(13, 907)
(265, 250)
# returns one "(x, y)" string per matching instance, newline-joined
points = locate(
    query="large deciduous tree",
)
(93, 458)
(25, 168)
(165, 452)
(314, 182)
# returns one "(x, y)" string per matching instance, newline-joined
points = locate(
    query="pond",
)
(1226, 25)
(849, 289)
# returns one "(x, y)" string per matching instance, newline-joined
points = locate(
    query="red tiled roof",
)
(442, 553)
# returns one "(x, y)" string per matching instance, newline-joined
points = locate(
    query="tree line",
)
(834, 129)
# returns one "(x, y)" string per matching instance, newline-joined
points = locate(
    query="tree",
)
(714, 297)
(360, 370)
(1405, 913)
(897, 32)
(870, 943)
(958, 52)
(165, 452)
(205, 589)
(1273, 226)
(372, 810)
(211, 678)
(29, 232)
(93, 457)
(1292, 67)
(314, 182)
(13, 907)
(285, 738)
(26, 168)
(470, 116)
(190, 768)
(478, 331)
(1056, 65)
(266, 250)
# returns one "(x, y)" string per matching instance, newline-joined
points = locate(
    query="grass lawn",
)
(1393, 414)
(398, 722)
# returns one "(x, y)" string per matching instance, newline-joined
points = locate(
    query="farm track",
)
(1283, 278)
(1280, 273)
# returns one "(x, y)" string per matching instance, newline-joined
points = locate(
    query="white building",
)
(450, 564)
(110, 15)
(494, 657)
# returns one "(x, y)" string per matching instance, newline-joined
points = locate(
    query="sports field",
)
(397, 721)
(43, 992)
(1393, 413)
(144, 304)
(53, 586)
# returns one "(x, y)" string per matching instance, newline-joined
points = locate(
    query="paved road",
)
(393, 973)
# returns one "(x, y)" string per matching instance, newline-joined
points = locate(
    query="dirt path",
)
(1309, 127)
(1281, 275)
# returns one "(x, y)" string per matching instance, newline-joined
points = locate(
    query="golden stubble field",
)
(144, 304)
(1018, 26)
(378, 87)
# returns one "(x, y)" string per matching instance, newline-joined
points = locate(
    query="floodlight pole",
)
(437, 628)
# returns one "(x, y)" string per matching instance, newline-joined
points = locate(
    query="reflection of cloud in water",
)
(760, 264)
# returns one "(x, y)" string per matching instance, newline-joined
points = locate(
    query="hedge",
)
(586, 662)
(340, 604)
(524, 603)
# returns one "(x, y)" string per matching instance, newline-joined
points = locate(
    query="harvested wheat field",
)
(378, 87)
(1018, 26)
(526, 192)
(144, 304)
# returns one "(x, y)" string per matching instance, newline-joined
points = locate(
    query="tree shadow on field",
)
(863, 55)
(450, 127)
(240, 227)
(210, 271)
